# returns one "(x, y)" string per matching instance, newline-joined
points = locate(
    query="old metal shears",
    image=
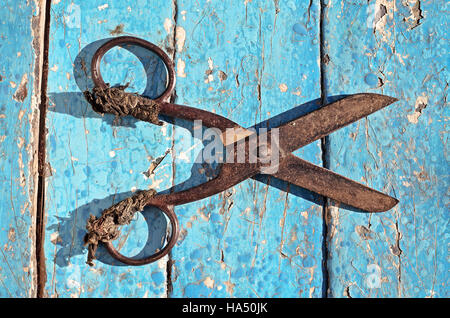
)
(292, 135)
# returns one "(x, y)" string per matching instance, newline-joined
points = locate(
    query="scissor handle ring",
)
(101, 51)
(167, 210)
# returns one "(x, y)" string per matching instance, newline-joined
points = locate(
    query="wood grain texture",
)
(397, 48)
(248, 61)
(95, 161)
(20, 47)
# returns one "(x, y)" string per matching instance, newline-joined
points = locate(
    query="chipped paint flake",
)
(383, 10)
(210, 63)
(102, 7)
(183, 15)
(416, 16)
(12, 234)
(21, 92)
(364, 232)
(180, 38)
(180, 68)
(20, 142)
(156, 184)
(55, 238)
(421, 104)
(168, 25)
(118, 30)
(209, 282)
(283, 88)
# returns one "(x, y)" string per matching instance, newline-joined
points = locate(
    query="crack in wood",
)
(41, 271)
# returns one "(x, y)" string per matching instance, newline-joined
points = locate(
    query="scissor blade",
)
(332, 185)
(320, 123)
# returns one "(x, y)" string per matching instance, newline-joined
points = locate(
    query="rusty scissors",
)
(292, 135)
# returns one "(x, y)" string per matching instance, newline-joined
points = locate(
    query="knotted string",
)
(106, 227)
(114, 100)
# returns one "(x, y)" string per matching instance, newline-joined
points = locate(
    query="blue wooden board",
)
(94, 161)
(397, 48)
(248, 61)
(18, 143)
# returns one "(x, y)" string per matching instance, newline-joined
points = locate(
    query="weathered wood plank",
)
(397, 48)
(20, 48)
(94, 162)
(248, 61)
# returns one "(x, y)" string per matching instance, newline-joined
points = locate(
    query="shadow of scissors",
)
(244, 159)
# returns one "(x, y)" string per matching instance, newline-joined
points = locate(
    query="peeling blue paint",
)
(96, 162)
(397, 150)
(16, 140)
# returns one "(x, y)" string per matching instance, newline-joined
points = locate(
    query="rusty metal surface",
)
(333, 186)
(329, 118)
(293, 135)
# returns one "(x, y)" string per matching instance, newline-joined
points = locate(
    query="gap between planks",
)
(324, 147)
(41, 273)
(173, 48)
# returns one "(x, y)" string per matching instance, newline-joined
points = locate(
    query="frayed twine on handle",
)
(106, 227)
(114, 100)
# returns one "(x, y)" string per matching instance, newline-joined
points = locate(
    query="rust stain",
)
(118, 30)
(12, 234)
(222, 75)
(229, 287)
